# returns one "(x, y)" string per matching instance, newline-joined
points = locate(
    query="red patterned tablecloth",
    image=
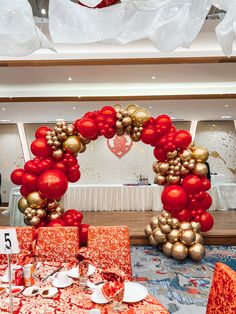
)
(71, 300)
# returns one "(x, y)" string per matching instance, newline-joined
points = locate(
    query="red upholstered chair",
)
(26, 239)
(222, 297)
(58, 244)
(109, 246)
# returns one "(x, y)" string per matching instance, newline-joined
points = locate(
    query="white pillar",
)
(23, 140)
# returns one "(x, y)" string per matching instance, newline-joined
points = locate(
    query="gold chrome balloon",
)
(200, 169)
(188, 237)
(41, 213)
(152, 241)
(200, 154)
(140, 116)
(186, 154)
(173, 236)
(131, 108)
(199, 238)
(72, 144)
(57, 154)
(197, 251)
(117, 107)
(166, 248)
(162, 220)
(179, 251)
(127, 121)
(184, 225)
(22, 204)
(196, 226)
(148, 230)
(165, 214)
(160, 180)
(154, 222)
(53, 215)
(165, 228)
(172, 154)
(26, 221)
(159, 236)
(36, 200)
(155, 167)
(164, 168)
(34, 221)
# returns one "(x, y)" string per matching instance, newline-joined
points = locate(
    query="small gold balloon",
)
(119, 125)
(33, 212)
(22, 204)
(154, 222)
(155, 167)
(164, 167)
(179, 251)
(127, 121)
(188, 237)
(34, 221)
(36, 200)
(160, 180)
(197, 251)
(172, 154)
(165, 228)
(152, 241)
(184, 225)
(59, 210)
(165, 214)
(135, 138)
(27, 210)
(200, 169)
(41, 213)
(186, 154)
(57, 154)
(72, 144)
(173, 235)
(26, 221)
(54, 215)
(169, 221)
(52, 205)
(200, 154)
(196, 226)
(184, 171)
(148, 230)
(159, 236)
(173, 179)
(166, 248)
(199, 238)
(162, 220)
(117, 107)
(83, 148)
(140, 116)
(131, 108)
(175, 223)
(191, 166)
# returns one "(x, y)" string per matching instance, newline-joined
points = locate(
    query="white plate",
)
(51, 292)
(5, 278)
(134, 292)
(28, 291)
(74, 272)
(21, 288)
(58, 284)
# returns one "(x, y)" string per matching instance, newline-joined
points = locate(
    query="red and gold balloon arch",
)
(180, 165)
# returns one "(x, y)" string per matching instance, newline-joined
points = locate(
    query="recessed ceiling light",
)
(74, 108)
(226, 117)
(5, 120)
(150, 107)
(153, 77)
(60, 119)
(43, 11)
(3, 108)
(226, 106)
(70, 78)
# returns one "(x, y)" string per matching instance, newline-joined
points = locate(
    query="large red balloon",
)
(148, 135)
(30, 181)
(40, 148)
(192, 184)
(87, 127)
(174, 197)
(182, 139)
(206, 202)
(52, 184)
(206, 221)
(183, 215)
(17, 175)
(42, 132)
(108, 111)
(160, 154)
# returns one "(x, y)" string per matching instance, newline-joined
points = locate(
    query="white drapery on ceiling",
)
(169, 24)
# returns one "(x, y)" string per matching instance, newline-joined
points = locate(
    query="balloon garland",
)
(180, 165)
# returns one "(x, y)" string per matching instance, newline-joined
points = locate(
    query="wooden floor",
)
(223, 232)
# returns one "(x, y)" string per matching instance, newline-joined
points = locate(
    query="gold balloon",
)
(36, 200)
(196, 226)
(41, 213)
(166, 248)
(200, 154)
(199, 238)
(184, 225)
(165, 228)
(164, 167)
(200, 169)
(57, 154)
(59, 210)
(186, 154)
(191, 166)
(117, 107)
(155, 167)
(127, 121)
(165, 214)
(52, 205)
(26, 221)
(140, 116)
(179, 251)
(162, 220)
(83, 148)
(34, 221)
(131, 108)
(22, 204)
(152, 241)
(160, 180)
(54, 215)
(72, 144)
(175, 223)
(173, 179)
(148, 230)
(197, 251)
(135, 137)
(154, 222)
(188, 237)
(172, 154)
(169, 221)
(159, 236)
(184, 171)
(173, 235)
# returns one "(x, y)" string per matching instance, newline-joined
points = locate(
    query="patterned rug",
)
(182, 287)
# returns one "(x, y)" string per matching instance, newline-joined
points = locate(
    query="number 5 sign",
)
(8, 241)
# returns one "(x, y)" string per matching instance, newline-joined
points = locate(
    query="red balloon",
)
(60, 166)
(108, 111)
(192, 184)
(148, 135)
(30, 181)
(109, 133)
(57, 223)
(206, 184)
(24, 191)
(52, 184)
(42, 132)
(174, 197)
(182, 139)
(87, 127)
(206, 221)
(160, 154)
(40, 148)
(17, 175)
(163, 119)
(75, 213)
(73, 176)
(83, 234)
(183, 215)
(206, 202)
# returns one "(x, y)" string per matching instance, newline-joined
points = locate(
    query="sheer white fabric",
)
(19, 36)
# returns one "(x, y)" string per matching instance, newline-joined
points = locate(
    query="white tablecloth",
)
(223, 196)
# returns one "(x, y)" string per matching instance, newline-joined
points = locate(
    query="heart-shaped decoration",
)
(120, 145)
(97, 3)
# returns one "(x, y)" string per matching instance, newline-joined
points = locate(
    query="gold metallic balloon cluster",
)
(35, 208)
(180, 164)
(64, 138)
(130, 120)
(176, 239)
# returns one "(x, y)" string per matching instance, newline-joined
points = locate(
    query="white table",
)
(94, 197)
